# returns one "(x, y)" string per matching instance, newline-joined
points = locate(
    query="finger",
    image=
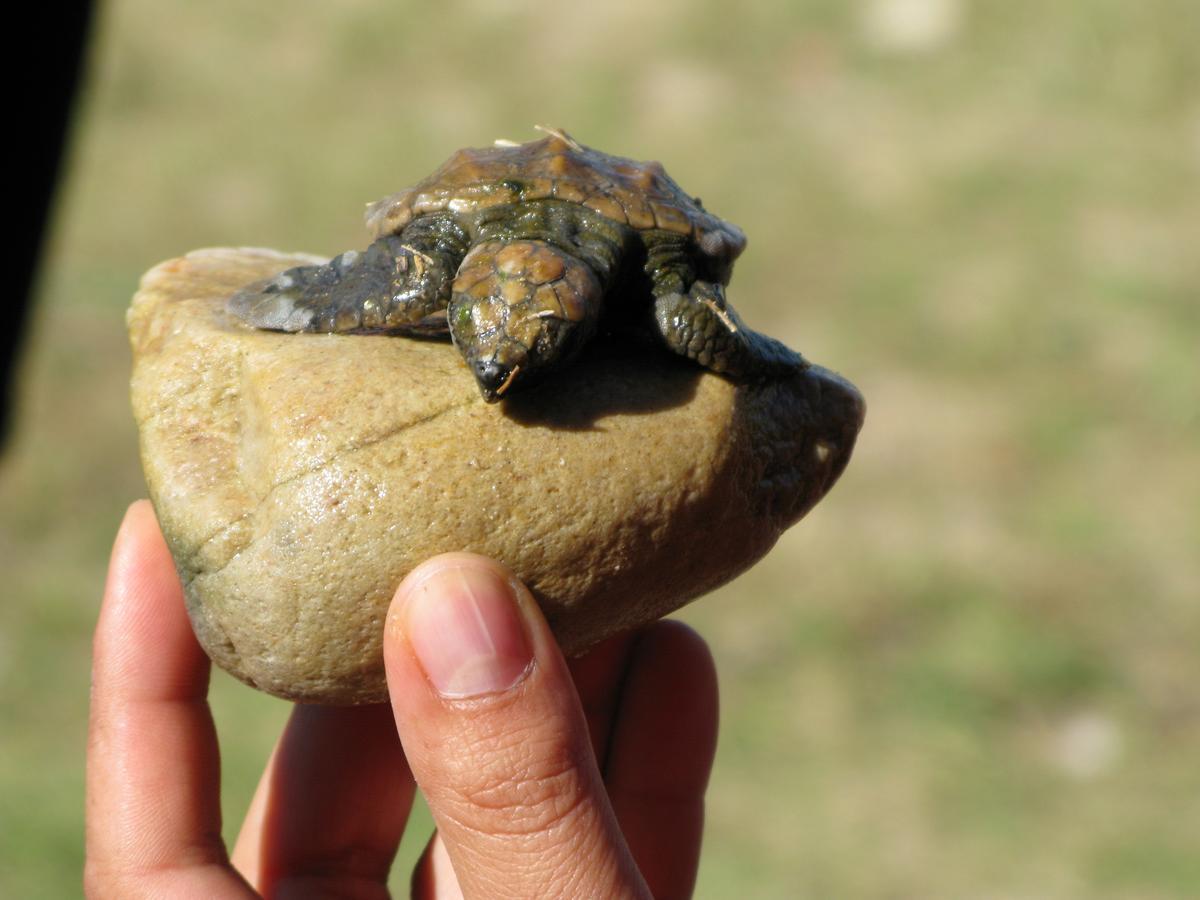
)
(661, 753)
(434, 878)
(493, 730)
(331, 806)
(153, 810)
(598, 676)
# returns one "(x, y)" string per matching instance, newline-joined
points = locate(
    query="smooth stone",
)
(298, 478)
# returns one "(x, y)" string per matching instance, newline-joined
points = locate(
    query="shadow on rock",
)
(607, 380)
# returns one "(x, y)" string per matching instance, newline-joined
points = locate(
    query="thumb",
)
(497, 741)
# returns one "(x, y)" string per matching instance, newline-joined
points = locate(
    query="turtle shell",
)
(639, 194)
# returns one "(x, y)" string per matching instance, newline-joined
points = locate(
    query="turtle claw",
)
(268, 305)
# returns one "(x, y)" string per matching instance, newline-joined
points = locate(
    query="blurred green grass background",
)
(973, 672)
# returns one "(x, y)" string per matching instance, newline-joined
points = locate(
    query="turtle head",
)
(509, 347)
(519, 310)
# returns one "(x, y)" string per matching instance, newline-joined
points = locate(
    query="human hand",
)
(543, 779)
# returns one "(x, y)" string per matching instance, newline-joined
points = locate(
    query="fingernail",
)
(466, 631)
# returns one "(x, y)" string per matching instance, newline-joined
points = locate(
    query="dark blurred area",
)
(43, 107)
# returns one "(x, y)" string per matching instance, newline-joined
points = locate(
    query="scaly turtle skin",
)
(521, 252)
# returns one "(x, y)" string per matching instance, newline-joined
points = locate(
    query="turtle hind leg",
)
(702, 327)
(398, 285)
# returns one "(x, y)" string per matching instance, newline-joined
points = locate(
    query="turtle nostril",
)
(493, 378)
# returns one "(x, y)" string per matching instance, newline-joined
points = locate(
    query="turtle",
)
(522, 253)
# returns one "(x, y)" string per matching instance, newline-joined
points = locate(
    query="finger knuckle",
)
(518, 785)
(101, 881)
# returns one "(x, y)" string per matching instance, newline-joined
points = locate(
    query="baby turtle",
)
(522, 252)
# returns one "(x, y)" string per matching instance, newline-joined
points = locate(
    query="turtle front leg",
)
(398, 285)
(700, 325)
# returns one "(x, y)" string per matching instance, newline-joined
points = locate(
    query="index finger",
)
(153, 799)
